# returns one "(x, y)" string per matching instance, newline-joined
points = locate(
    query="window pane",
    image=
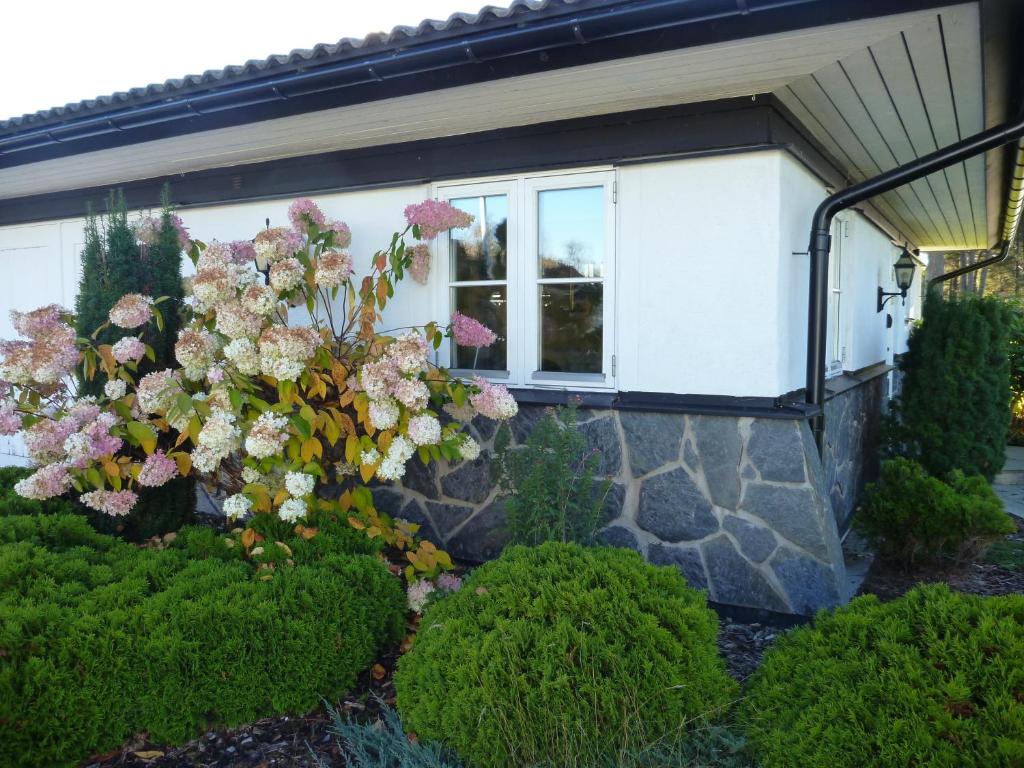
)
(571, 327)
(479, 251)
(486, 303)
(571, 232)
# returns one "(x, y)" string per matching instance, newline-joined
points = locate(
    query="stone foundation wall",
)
(738, 505)
(853, 421)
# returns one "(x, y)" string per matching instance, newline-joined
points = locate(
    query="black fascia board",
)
(592, 35)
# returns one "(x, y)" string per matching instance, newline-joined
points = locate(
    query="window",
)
(537, 267)
(836, 344)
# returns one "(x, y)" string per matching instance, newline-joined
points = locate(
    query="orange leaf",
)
(378, 672)
(366, 472)
(356, 523)
(248, 537)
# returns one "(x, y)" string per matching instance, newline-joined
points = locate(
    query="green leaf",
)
(144, 434)
(301, 426)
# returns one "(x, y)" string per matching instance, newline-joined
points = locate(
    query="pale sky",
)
(53, 52)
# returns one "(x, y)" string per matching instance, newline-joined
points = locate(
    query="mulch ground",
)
(978, 577)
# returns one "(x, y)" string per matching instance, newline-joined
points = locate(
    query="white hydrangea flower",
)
(236, 506)
(250, 475)
(115, 389)
(299, 484)
(267, 436)
(371, 456)
(242, 352)
(292, 510)
(469, 448)
(424, 430)
(383, 413)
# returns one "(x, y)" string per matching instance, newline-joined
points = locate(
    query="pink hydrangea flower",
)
(342, 234)
(131, 311)
(10, 421)
(50, 355)
(436, 216)
(304, 211)
(45, 483)
(420, 267)
(449, 582)
(128, 349)
(157, 470)
(493, 400)
(242, 252)
(45, 439)
(333, 269)
(468, 332)
(113, 503)
(39, 322)
(147, 231)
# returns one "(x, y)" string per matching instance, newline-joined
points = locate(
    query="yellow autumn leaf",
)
(281, 497)
(184, 462)
(366, 472)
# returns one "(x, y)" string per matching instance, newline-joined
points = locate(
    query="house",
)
(644, 176)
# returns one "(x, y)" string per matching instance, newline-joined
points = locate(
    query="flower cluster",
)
(420, 267)
(156, 391)
(217, 440)
(157, 469)
(333, 268)
(149, 228)
(131, 311)
(48, 356)
(493, 401)
(267, 436)
(436, 216)
(46, 482)
(235, 506)
(276, 243)
(128, 349)
(284, 351)
(195, 350)
(113, 503)
(286, 275)
(468, 332)
(303, 212)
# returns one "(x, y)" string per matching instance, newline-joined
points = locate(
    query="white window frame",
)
(522, 279)
(836, 320)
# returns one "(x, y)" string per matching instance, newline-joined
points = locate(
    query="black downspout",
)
(821, 241)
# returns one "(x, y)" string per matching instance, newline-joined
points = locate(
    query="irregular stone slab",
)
(719, 446)
(686, 559)
(618, 536)
(448, 517)
(776, 450)
(613, 501)
(523, 422)
(735, 581)
(792, 512)
(601, 436)
(414, 513)
(748, 472)
(470, 480)
(809, 585)
(652, 439)
(673, 508)
(388, 500)
(485, 427)
(483, 536)
(756, 542)
(420, 477)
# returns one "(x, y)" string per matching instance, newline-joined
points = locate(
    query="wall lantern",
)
(262, 263)
(905, 267)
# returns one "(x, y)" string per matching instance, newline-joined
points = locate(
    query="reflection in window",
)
(572, 327)
(570, 228)
(479, 282)
(570, 266)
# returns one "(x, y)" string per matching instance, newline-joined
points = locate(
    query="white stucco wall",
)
(710, 296)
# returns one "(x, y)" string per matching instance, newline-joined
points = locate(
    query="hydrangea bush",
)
(293, 417)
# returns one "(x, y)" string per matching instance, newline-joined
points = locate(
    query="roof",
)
(489, 17)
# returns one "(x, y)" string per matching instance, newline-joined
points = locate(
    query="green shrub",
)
(552, 494)
(565, 655)
(910, 516)
(954, 407)
(932, 679)
(100, 639)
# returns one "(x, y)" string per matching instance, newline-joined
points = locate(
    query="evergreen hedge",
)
(563, 656)
(100, 640)
(954, 408)
(934, 678)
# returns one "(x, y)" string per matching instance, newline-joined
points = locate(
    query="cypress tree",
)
(954, 408)
(113, 264)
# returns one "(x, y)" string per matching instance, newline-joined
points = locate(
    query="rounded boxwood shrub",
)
(562, 655)
(100, 639)
(910, 516)
(934, 678)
